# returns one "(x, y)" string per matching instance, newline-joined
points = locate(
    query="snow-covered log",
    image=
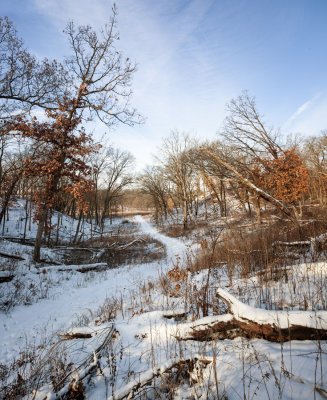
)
(250, 322)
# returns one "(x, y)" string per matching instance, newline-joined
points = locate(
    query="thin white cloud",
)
(310, 118)
(305, 106)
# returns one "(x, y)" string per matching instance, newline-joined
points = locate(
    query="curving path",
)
(67, 302)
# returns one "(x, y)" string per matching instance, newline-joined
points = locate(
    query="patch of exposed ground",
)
(124, 245)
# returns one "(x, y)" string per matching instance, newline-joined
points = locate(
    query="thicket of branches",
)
(249, 163)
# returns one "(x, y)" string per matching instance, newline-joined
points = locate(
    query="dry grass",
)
(177, 230)
(247, 248)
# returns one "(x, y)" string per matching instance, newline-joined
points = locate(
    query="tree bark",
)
(39, 233)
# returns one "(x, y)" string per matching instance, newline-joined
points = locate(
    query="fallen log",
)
(98, 268)
(123, 247)
(76, 335)
(12, 256)
(79, 268)
(90, 249)
(250, 322)
(6, 278)
(27, 242)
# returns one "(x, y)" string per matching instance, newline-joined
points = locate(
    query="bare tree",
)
(116, 177)
(315, 155)
(26, 82)
(102, 77)
(245, 129)
(154, 183)
(15, 154)
(178, 168)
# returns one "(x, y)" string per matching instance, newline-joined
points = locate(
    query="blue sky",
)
(194, 56)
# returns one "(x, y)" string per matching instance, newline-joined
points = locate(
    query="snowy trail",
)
(173, 246)
(64, 306)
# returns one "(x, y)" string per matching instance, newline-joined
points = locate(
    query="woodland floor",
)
(120, 317)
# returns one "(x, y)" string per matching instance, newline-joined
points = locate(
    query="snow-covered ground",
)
(20, 222)
(70, 298)
(145, 342)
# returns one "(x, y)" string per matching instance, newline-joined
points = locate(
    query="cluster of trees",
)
(54, 164)
(52, 161)
(249, 162)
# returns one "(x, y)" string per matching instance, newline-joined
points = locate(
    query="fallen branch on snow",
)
(77, 333)
(175, 315)
(6, 277)
(71, 389)
(145, 379)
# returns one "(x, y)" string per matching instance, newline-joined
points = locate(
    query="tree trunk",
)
(57, 234)
(259, 220)
(248, 202)
(38, 238)
(8, 195)
(184, 213)
(26, 219)
(78, 226)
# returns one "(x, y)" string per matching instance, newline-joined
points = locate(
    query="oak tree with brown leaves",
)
(285, 177)
(99, 79)
(59, 163)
